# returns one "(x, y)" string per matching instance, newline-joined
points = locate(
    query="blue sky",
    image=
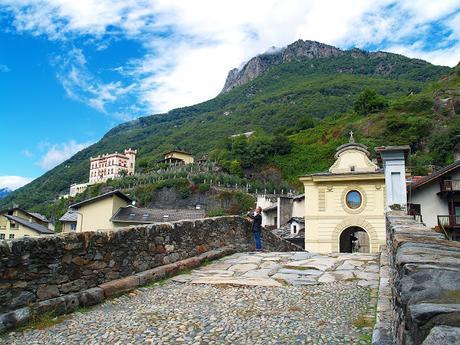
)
(71, 70)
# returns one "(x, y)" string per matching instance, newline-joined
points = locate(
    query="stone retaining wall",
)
(37, 273)
(425, 282)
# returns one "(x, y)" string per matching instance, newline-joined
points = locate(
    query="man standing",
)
(256, 226)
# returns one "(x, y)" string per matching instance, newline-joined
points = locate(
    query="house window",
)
(414, 209)
(352, 168)
(11, 236)
(12, 225)
(2, 236)
(73, 226)
(353, 199)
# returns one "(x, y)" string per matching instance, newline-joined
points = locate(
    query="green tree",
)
(369, 101)
(281, 145)
(235, 168)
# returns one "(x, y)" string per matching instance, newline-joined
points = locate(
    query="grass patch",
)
(364, 321)
(367, 337)
(42, 321)
(84, 310)
(301, 268)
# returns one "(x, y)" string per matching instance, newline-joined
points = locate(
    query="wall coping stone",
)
(425, 283)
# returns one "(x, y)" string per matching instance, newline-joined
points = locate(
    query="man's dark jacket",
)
(257, 221)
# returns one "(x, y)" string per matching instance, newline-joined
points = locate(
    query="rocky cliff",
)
(299, 50)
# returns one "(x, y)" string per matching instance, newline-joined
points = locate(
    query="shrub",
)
(369, 101)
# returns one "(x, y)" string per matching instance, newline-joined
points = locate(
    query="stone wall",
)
(35, 271)
(425, 282)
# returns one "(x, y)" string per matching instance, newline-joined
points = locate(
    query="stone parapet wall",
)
(425, 283)
(34, 270)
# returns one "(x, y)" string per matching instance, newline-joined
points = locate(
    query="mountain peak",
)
(259, 64)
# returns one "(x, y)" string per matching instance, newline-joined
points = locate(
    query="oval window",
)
(354, 199)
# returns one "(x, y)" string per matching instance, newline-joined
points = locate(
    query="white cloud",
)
(80, 84)
(189, 46)
(27, 153)
(13, 182)
(58, 153)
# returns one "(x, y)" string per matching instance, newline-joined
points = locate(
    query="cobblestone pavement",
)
(172, 312)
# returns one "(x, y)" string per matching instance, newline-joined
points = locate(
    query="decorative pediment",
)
(352, 158)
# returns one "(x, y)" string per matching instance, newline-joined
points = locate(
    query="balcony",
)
(449, 222)
(449, 188)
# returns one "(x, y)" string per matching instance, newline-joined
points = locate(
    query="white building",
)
(278, 210)
(77, 188)
(112, 166)
(393, 161)
(436, 200)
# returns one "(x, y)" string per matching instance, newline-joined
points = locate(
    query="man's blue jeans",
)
(257, 239)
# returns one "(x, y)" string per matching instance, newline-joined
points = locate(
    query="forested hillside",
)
(300, 112)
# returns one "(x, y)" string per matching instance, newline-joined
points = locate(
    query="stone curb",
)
(71, 302)
(382, 330)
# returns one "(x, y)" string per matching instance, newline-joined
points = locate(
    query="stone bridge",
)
(199, 282)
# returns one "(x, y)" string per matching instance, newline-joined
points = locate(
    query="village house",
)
(17, 222)
(69, 221)
(95, 213)
(278, 210)
(112, 166)
(112, 210)
(435, 199)
(175, 157)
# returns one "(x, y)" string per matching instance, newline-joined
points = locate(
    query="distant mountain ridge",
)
(298, 50)
(4, 192)
(306, 82)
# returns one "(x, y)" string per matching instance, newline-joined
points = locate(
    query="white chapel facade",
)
(345, 207)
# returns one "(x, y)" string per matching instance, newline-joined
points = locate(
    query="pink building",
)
(112, 166)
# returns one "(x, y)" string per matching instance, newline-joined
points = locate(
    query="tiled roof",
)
(435, 175)
(31, 225)
(100, 197)
(134, 215)
(69, 216)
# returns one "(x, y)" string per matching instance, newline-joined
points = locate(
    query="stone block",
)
(14, 318)
(119, 286)
(45, 292)
(443, 335)
(90, 297)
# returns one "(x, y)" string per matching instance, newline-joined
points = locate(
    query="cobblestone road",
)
(335, 311)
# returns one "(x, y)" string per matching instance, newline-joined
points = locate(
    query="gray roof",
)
(39, 216)
(100, 197)
(31, 225)
(69, 216)
(270, 208)
(327, 173)
(435, 175)
(300, 220)
(36, 215)
(134, 215)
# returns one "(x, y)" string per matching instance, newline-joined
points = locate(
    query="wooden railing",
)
(450, 185)
(448, 221)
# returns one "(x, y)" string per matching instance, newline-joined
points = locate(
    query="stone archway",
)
(354, 239)
(353, 221)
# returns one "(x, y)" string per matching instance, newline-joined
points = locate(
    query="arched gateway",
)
(354, 239)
